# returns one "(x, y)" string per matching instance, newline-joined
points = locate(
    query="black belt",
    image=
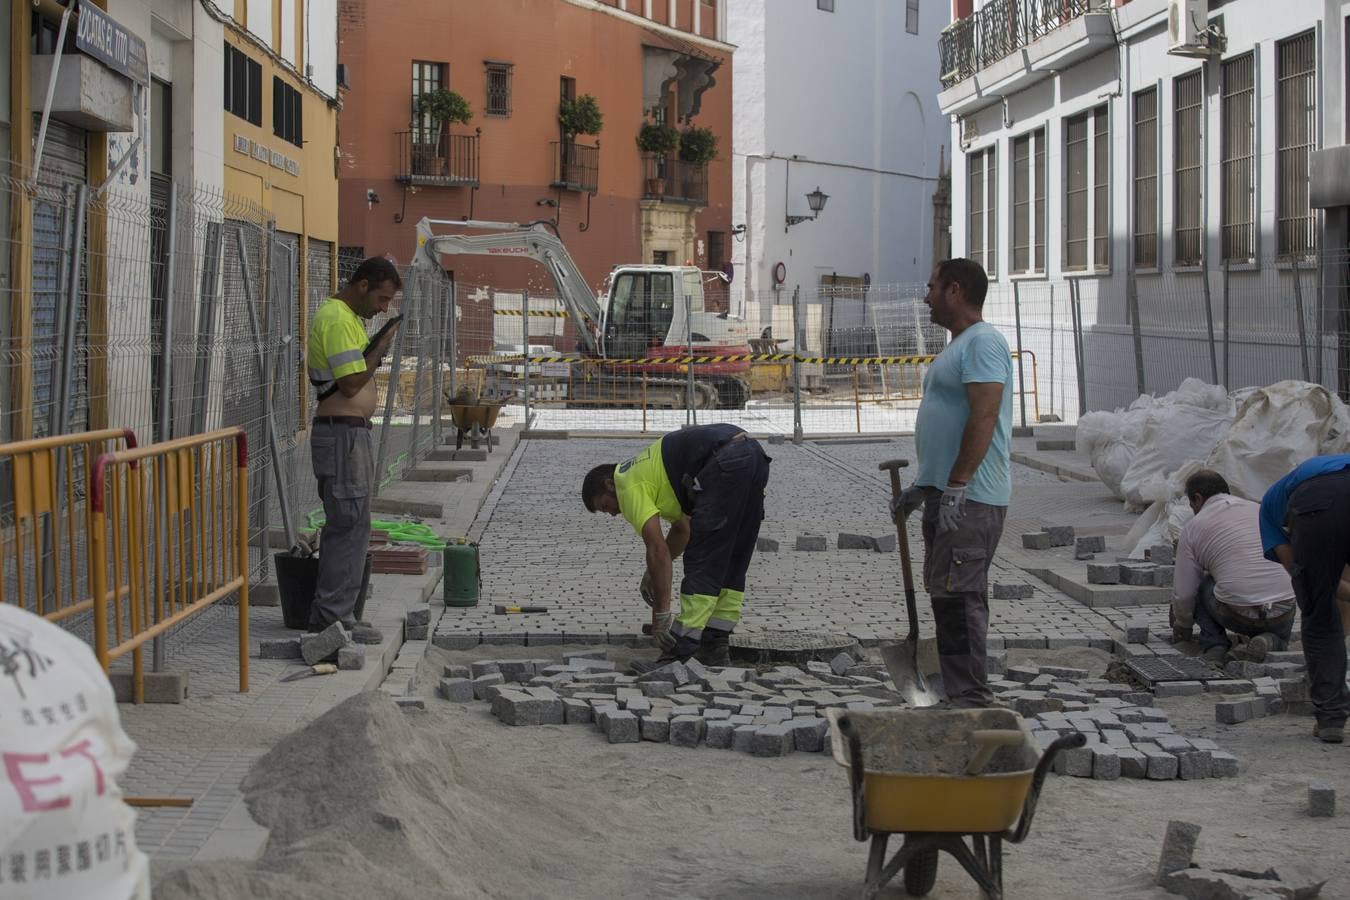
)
(349, 421)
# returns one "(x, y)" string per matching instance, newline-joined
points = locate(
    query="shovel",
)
(910, 661)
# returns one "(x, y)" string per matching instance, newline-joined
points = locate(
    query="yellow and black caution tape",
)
(548, 313)
(706, 360)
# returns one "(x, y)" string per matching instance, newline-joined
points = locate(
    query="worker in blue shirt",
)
(1305, 526)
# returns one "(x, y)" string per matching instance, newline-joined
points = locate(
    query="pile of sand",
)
(362, 804)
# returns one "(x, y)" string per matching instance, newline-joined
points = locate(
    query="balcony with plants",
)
(429, 154)
(675, 163)
(576, 167)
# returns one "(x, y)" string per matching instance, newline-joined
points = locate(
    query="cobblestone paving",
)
(541, 546)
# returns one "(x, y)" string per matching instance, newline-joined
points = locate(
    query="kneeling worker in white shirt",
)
(1223, 581)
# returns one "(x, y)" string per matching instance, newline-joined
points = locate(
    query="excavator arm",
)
(534, 241)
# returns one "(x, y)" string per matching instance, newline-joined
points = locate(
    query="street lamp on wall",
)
(816, 200)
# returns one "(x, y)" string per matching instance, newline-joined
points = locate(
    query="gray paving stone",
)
(1178, 848)
(484, 667)
(352, 657)
(577, 712)
(1232, 712)
(1133, 764)
(847, 541)
(457, 672)
(516, 669)
(809, 735)
(718, 735)
(1092, 544)
(1193, 765)
(1137, 575)
(1162, 766)
(1165, 689)
(1321, 799)
(285, 648)
(811, 542)
(1036, 540)
(1222, 764)
(315, 648)
(1161, 554)
(766, 545)
(1103, 573)
(1013, 591)
(743, 738)
(686, 731)
(1078, 762)
(519, 708)
(772, 740)
(1060, 535)
(483, 682)
(622, 727)
(420, 615)
(1105, 764)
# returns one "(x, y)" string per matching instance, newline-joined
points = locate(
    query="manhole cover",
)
(1153, 669)
(789, 646)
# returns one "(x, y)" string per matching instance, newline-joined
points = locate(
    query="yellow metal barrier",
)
(48, 540)
(176, 515)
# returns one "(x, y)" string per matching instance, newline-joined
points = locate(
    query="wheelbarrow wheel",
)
(921, 872)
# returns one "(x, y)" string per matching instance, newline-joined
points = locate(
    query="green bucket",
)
(463, 576)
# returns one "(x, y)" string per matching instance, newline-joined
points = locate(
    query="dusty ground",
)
(554, 811)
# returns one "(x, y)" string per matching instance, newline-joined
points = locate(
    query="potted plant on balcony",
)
(579, 116)
(657, 140)
(442, 107)
(698, 147)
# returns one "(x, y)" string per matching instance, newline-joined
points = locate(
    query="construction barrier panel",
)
(169, 537)
(44, 551)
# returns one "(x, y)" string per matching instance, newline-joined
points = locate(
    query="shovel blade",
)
(913, 666)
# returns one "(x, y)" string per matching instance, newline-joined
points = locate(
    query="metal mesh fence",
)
(853, 358)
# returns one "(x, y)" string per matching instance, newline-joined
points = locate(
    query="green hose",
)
(399, 532)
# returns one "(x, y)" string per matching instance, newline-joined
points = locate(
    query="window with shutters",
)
(1188, 164)
(426, 77)
(498, 89)
(982, 213)
(1028, 203)
(1087, 189)
(1238, 164)
(287, 122)
(825, 5)
(243, 85)
(912, 16)
(1146, 179)
(1296, 112)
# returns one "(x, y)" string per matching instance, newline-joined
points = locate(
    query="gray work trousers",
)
(956, 576)
(344, 465)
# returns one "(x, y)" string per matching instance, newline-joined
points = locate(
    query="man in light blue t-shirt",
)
(963, 480)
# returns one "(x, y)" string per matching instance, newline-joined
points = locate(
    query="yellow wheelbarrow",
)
(474, 421)
(937, 777)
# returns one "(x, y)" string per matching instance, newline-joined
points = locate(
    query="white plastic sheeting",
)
(1252, 437)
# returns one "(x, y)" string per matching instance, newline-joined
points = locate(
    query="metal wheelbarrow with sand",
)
(474, 420)
(938, 777)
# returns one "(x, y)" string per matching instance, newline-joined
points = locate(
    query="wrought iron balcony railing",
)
(430, 157)
(670, 178)
(576, 167)
(999, 28)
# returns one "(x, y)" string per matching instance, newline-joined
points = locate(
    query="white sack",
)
(1181, 427)
(1110, 439)
(63, 825)
(1276, 428)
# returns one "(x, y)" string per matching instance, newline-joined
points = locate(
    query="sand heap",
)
(361, 804)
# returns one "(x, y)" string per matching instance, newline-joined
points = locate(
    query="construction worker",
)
(1223, 583)
(708, 482)
(1305, 526)
(963, 481)
(342, 363)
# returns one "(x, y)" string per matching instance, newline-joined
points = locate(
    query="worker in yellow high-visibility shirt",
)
(708, 482)
(342, 363)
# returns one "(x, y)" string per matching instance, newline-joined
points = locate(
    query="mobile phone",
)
(384, 329)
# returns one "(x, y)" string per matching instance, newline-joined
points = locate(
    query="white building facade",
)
(840, 97)
(1135, 177)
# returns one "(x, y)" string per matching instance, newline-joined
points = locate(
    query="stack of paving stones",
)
(1126, 736)
(1278, 684)
(771, 713)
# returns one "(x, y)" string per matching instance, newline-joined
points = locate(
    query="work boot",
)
(684, 648)
(366, 633)
(1259, 646)
(715, 648)
(1328, 733)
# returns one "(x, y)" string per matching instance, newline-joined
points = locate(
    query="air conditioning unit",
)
(1188, 29)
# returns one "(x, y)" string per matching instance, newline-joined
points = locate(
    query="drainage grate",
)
(789, 646)
(1152, 669)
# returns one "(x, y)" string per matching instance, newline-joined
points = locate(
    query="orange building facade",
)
(514, 61)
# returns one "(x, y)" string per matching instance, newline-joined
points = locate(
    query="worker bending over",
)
(708, 482)
(1305, 526)
(1223, 581)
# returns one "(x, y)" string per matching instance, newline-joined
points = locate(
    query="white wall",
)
(1171, 301)
(321, 40)
(847, 102)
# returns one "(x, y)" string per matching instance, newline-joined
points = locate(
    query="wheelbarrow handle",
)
(1068, 742)
(856, 781)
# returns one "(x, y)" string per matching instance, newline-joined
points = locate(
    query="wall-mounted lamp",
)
(738, 233)
(816, 200)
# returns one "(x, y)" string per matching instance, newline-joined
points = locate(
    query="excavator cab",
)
(641, 308)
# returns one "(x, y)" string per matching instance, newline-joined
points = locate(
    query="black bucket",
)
(297, 577)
